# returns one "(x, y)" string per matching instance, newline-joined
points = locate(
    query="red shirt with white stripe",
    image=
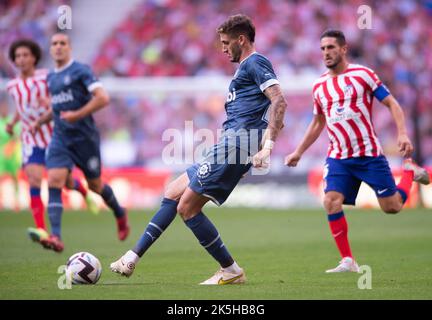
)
(26, 94)
(346, 102)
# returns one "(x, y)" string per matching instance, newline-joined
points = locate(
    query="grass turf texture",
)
(284, 254)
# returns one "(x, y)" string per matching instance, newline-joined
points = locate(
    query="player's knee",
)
(332, 203)
(95, 186)
(392, 208)
(34, 181)
(170, 193)
(55, 181)
(173, 191)
(184, 209)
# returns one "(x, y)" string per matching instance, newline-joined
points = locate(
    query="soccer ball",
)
(83, 268)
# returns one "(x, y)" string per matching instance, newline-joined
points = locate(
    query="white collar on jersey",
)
(248, 57)
(67, 65)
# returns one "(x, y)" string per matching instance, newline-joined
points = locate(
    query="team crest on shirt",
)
(204, 170)
(348, 90)
(67, 80)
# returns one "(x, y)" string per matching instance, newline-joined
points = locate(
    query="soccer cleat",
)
(420, 174)
(37, 234)
(53, 243)
(223, 277)
(123, 227)
(91, 204)
(347, 264)
(126, 264)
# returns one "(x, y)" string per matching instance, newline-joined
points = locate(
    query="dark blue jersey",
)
(70, 88)
(246, 106)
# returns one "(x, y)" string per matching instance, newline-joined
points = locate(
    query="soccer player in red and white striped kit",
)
(30, 93)
(342, 99)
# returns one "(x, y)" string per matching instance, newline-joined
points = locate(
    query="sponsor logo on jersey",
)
(62, 97)
(231, 95)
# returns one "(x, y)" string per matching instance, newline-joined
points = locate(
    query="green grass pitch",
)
(284, 254)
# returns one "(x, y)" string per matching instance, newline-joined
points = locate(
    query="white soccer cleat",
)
(223, 277)
(420, 174)
(347, 264)
(126, 264)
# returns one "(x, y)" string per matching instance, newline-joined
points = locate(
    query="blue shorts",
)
(346, 175)
(85, 155)
(217, 175)
(33, 155)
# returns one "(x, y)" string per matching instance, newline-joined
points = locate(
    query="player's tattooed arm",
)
(277, 112)
(100, 99)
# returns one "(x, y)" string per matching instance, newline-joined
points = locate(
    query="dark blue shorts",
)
(85, 155)
(346, 175)
(216, 176)
(33, 155)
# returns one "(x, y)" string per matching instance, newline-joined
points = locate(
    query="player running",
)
(254, 93)
(75, 95)
(343, 101)
(30, 93)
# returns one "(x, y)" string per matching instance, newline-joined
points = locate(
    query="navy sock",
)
(403, 195)
(111, 201)
(55, 210)
(210, 239)
(35, 192)
(160, 221)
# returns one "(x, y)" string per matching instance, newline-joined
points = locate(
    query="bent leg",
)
(189, 208)
(164, 216)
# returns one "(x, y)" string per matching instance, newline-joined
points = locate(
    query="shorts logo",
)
(93, 164)
(204, 170)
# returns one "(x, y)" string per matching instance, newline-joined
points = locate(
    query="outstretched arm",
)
(11, 124)
(312, 133)
(277, 112)
(404, 143)
(99, 100)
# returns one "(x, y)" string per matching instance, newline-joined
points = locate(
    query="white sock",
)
(234, 268)
(131, 256)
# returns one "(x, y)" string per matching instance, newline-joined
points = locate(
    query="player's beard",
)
(337, 60)
(236, 53)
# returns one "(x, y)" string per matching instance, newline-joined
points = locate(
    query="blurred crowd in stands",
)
(178, 38)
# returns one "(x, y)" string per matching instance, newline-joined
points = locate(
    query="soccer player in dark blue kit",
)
(75, 95)
(255, 110)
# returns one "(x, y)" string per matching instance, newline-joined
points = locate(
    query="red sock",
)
(38, 211)
(405, 184)
(78, 186)
(339, 229)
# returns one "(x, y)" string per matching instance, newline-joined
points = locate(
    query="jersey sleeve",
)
(90, 81)
(262, 73)
(379, 90)
(317, 108)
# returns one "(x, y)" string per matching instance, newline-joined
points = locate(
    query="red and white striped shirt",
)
(346, 101)
(26, 94)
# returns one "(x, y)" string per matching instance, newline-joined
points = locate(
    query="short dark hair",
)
(238, 24)
(332, 33)
(30, 44)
